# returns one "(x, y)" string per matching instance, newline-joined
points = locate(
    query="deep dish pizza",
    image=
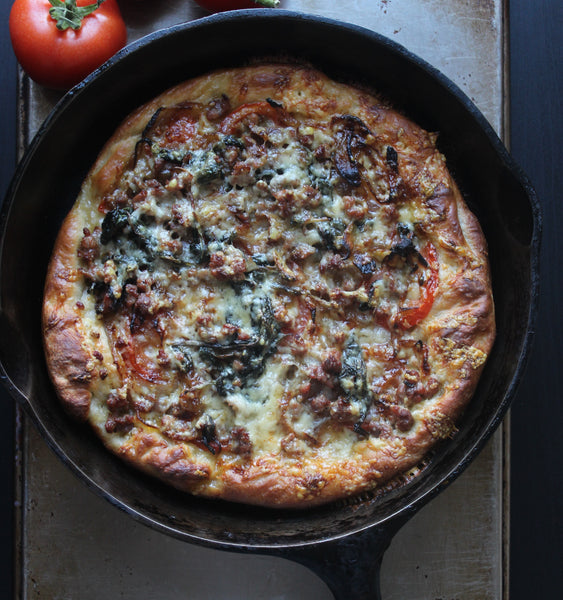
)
(269, 290)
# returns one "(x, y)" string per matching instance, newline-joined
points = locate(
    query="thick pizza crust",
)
(86, 368)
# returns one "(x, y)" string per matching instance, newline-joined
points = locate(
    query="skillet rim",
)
(501, 152)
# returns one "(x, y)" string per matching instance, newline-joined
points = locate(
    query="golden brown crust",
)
(67, 359)
(99, 362)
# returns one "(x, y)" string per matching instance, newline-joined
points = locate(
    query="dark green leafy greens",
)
(353, 378)
(121, 222)
(235, 362)
(183, 357)
(113, 224)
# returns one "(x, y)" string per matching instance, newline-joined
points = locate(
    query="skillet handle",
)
(349, 566)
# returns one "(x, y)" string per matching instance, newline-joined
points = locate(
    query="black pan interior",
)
(47, 182)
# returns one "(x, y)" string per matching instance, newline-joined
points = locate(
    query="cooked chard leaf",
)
(143, 239)
(320, 180)
(207, 168)
(183, 357)
(114, 223)
(265, 175)
(353, 378)
(263, 319)
(262, 260)
(208, 434)
(142, 233)
(168, 154)
(238, 361)
(392, 158)
(231, 140)
(250, 281)
(197, 244)
(324, 186)
(332, 234)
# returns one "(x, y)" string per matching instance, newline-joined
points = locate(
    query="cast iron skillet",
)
(343, 542)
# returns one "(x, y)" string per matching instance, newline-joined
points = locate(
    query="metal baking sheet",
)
(73, 545)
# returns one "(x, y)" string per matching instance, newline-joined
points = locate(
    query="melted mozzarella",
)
(254, 327)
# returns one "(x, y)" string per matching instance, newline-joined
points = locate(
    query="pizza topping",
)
(89, 245)
(241, 358)
(113, 224)
(353, 380)
(392, 158)
(401, 418)
(412, 315)
(218, 108)
(117, 401)
(313, 243)
(268, 277)
(208, 434)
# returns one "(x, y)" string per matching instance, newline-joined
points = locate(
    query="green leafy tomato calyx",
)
(69, 16)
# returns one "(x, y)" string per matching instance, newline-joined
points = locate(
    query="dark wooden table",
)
(536, 33)
(536, 532)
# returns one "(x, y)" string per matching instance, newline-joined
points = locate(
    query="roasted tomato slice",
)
(136, 349)
(410, 316)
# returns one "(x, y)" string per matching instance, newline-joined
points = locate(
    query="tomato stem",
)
(268, 3)
(68, 15)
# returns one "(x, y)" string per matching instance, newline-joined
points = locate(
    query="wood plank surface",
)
(537, 412)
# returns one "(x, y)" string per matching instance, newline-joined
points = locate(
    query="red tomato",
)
(221, 5)
(411, 316)
(61, 58)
